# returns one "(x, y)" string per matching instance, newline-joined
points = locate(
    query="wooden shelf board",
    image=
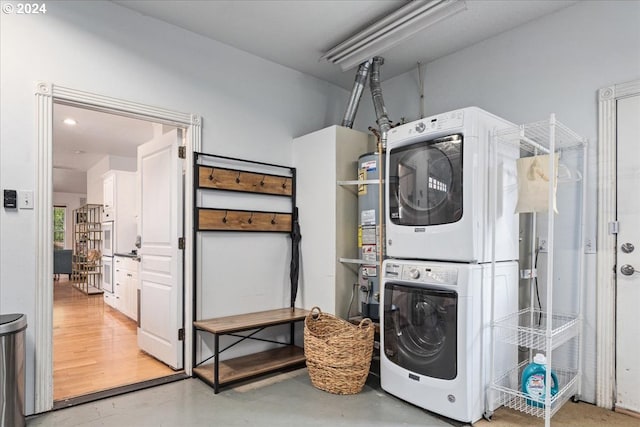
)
(246, 181)
(252, 365)
(244, 322)
(210, 219)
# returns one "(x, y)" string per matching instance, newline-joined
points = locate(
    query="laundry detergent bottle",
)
(534, 379)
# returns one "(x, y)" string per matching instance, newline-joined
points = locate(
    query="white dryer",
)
(437, 189)
(435, 333)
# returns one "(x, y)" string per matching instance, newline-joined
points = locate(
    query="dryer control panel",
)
(440, 122)
(417, 273)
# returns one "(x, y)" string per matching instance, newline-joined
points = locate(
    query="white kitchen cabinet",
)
(117, 291)
(119, 206)
(328, 214)
(126, 286)
(109, 299)
(107, 194)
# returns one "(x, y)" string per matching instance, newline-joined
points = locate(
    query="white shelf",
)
(535, 137)
(360, 182)
(528, 328)
(508, 391)
(358, 261)
(555, 334)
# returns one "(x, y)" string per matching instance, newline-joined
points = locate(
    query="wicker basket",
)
(338, 353)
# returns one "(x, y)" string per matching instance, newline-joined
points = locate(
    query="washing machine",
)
(437, 189)
(435, 333)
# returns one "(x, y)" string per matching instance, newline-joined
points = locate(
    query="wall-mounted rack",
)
(219, 178)
(253, 178)
(214, 219)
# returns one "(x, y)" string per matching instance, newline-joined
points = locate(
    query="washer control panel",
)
(417, 273)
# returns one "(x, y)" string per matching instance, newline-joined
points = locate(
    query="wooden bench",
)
(227, 371)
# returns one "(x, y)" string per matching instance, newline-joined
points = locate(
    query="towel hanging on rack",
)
(533, 184)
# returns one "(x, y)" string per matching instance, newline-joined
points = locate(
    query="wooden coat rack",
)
(244, 181)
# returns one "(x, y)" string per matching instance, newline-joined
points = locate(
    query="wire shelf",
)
(528, 328)
(535, 137)
(507, 391)
(557, 335)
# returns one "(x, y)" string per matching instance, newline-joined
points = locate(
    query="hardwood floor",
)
(94, 346)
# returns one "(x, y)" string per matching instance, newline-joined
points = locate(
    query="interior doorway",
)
(96, 297)
(45, 94)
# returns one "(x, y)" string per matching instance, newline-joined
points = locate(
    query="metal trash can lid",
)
(12, 323)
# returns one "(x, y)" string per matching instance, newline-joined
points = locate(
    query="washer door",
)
(425, 182)
(420, 330)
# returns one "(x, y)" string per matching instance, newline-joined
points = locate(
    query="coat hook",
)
(262, 181)
(284, 183)
(238, 178)
(250, 220)
(273, 220)
(211, 174)
(225, 217)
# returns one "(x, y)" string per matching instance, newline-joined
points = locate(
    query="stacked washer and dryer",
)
(436, 285)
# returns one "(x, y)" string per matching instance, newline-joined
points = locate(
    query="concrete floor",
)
(289, 399)
(283, 400)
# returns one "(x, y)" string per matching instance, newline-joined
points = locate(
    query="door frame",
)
(606, 241)
(46, 94)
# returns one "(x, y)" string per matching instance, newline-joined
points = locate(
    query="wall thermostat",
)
(10, 199)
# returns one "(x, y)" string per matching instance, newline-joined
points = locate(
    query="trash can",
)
(12, 353)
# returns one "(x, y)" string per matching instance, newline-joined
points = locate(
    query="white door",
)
(628, 255)
(161, 272)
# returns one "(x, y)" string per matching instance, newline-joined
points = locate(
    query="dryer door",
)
(420, 329)
(425, 182)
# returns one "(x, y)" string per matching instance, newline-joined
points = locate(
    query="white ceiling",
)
(297, 33)
(291, 33)
(96, 135)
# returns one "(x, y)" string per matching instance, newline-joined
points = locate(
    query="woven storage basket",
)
(338, 353)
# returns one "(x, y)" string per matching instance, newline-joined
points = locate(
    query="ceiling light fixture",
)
(415, 16)
(69, 121)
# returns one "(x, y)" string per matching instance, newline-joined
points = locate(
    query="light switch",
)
(25, 199)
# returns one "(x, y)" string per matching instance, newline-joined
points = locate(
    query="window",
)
(59, 228)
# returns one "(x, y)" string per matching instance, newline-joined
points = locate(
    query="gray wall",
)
(104, 48)
(554, 64)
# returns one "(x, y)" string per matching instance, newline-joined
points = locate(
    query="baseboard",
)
(627, 412)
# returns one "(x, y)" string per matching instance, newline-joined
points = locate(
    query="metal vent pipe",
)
(356, 94)
(382, 118)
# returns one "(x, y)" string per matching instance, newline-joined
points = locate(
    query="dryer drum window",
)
(420, 330)
(425, 182)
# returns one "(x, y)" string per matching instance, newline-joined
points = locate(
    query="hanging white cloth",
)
(533, 184)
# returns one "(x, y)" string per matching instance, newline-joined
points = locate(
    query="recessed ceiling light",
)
(79, 152)
(69, 121)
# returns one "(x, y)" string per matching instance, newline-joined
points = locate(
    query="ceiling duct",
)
(388, 32)
(356, 94)
(382, 118)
